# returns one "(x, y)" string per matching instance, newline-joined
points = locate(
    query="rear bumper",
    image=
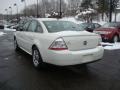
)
(64, 58)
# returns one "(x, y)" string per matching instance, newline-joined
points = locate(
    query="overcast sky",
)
(5, 4)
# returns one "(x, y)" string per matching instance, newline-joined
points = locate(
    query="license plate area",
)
(87, 58)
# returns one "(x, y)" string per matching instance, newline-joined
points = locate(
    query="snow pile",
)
(54, 13)
(72, 19)
(85, 12)
(8, 29)
(47, 15)
(2, 33)
(89, 11)
(111, 46)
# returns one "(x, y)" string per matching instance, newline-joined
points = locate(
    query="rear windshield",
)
(58, 26)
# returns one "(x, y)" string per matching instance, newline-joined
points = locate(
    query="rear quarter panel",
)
(43, 42)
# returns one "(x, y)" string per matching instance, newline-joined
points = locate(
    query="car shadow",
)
(81, 69)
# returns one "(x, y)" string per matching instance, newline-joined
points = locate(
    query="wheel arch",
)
(117, 35)
(35, 46)
(38, 44)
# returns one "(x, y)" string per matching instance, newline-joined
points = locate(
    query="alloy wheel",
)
(36, 58)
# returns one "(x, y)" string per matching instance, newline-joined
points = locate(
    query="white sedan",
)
(57, 42)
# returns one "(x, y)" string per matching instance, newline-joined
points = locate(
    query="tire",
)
(16, 47)
(115, 39)
(36, 58)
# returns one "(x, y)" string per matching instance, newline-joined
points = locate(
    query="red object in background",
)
(109, 32)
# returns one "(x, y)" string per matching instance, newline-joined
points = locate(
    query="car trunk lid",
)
(80, 40)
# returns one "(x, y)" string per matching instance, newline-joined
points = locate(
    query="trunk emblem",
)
(85, 43)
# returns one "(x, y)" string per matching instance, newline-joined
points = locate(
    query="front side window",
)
(39, 28)
(58, 26)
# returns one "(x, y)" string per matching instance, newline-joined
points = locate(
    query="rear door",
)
(33, 31)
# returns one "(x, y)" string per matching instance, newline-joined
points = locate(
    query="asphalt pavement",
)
(18, 73)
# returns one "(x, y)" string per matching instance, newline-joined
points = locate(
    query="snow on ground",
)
(111, 46)
(117, 17)
(8, 29)
(101, 22)
(2, 33)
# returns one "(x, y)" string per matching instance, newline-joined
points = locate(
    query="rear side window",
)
(32, 27)
(25, 27)
(39, 28)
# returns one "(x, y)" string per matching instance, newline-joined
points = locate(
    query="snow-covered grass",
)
(101, 22)
(9, 29)
(2, 33)
(111, 46)
(73, 19)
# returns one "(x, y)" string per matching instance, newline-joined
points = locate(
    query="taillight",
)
(58, 44)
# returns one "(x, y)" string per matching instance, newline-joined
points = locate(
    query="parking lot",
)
(18, 73)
